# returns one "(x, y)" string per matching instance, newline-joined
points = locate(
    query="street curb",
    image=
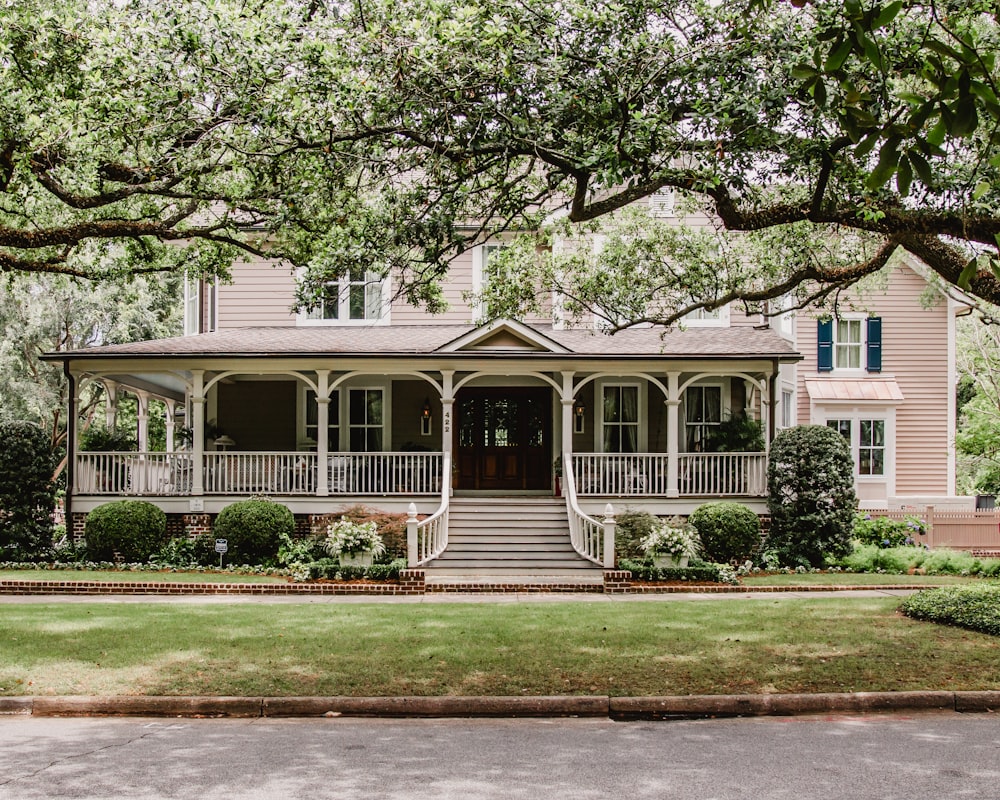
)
(616, 708)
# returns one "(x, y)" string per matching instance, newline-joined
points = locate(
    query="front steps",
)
(510, 540)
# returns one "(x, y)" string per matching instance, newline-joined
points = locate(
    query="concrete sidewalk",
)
(616, 708)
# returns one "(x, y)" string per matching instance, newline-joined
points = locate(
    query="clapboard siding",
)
(262, 293)
(915, 353)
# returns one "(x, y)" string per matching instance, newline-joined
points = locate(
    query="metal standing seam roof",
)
(741, 342)
(873, 389)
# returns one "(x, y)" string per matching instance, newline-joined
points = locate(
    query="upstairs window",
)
(201, 306)
(849, 343)
(705, 318)
(360, 297)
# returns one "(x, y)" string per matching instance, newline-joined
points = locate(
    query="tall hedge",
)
(27, 493)
(810, 483)
(134, 529)
(252, 529)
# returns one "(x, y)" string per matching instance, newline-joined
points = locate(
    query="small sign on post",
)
(221, 547)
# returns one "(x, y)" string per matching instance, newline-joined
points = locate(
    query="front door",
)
(503, 438)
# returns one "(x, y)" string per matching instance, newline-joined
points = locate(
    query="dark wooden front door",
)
(503, 438)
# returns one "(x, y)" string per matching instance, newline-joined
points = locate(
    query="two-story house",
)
(511, 424)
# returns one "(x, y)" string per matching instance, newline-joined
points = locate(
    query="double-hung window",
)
(849, 343)
(703, 415)
(621, 418)
(866, 438)
(358, 297)
(366, 415)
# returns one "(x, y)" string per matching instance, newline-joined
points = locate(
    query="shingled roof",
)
(739, 342)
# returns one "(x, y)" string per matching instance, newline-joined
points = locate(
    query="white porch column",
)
(170, 423)
(323, 432)
(198, 424)
(73, 443)
(673, 432)
(111, 406)
(142, 415)
(447, 420)
(568, 399)
(767, 417)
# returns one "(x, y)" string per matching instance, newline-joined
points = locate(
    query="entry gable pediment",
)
(504, 335)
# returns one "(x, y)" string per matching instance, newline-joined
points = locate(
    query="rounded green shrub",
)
(134, 529)
(253, 529)
(810, 484)
(27, 494)
(730, 532)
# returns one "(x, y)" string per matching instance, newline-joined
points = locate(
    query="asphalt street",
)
(889, 757)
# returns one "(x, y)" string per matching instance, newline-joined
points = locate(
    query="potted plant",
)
(354, 543)
(557, 471)
(671, 545)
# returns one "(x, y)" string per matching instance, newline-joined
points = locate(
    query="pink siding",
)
(915, 352)
(738, 318)
(262, 293)
(459, 280)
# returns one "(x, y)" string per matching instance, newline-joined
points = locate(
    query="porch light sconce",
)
(425, 418)
(578, 417)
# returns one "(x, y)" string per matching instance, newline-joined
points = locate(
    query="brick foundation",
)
(616, 581)
(411, 581)
(76, 526)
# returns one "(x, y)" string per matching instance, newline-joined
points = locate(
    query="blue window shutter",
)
(824, 357)
(874, 344)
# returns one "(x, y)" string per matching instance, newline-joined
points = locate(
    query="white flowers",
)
(353, 538)
(671, 540)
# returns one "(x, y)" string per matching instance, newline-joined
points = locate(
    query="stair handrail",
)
(427, 539)
(592, 539)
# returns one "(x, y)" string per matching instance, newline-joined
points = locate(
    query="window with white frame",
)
(867, 441)
(358, 297)
(200, 305)
(620, 421)
(366, 420)
(702, 416)
(787, 408)
(481, 275)
(848, 339)
(311, 417)
(707, 318)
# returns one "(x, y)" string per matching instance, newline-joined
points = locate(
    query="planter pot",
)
(356, 559)
(662, 561)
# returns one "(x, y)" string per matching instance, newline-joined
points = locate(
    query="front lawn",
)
(621, 648)
(127, 576)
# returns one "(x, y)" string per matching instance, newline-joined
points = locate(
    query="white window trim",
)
(725, 405)
(789, 390)
(385, 318)
(863, 356)
(642, 444)
(722, 321)
(345, 412)
(855, 413)
(479, 259)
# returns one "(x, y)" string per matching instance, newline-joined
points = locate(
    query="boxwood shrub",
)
(810, 485)
(695, 571)
(974, 607)
(252, 529)
(27, 494)
(134, 529)
(730, 532)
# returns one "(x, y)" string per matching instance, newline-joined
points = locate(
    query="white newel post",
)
(609, 537)
(322, 433)
(673, 432)
(198, 423)
(411, 535)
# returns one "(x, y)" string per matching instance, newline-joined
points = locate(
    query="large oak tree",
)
(392, 134)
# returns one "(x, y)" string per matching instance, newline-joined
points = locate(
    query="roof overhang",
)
(875, 390)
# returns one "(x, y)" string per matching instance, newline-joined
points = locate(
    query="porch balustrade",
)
(646, 474)
(170, 474)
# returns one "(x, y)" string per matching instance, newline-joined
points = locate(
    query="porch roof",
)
(434, 339)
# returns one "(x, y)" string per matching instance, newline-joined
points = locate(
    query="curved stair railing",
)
(426, 539)
(591, 538)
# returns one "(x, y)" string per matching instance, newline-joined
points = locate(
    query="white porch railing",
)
(721, 474)
(168, 474)
(159, 474)
(427, 539)
(592, 539)
(646, 474)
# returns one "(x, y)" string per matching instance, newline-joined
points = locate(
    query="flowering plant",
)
(353, 538)
(676, 541)
(885, 532)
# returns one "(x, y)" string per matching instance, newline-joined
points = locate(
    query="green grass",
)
(851, 579)
(133, 577)
(719, 646)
